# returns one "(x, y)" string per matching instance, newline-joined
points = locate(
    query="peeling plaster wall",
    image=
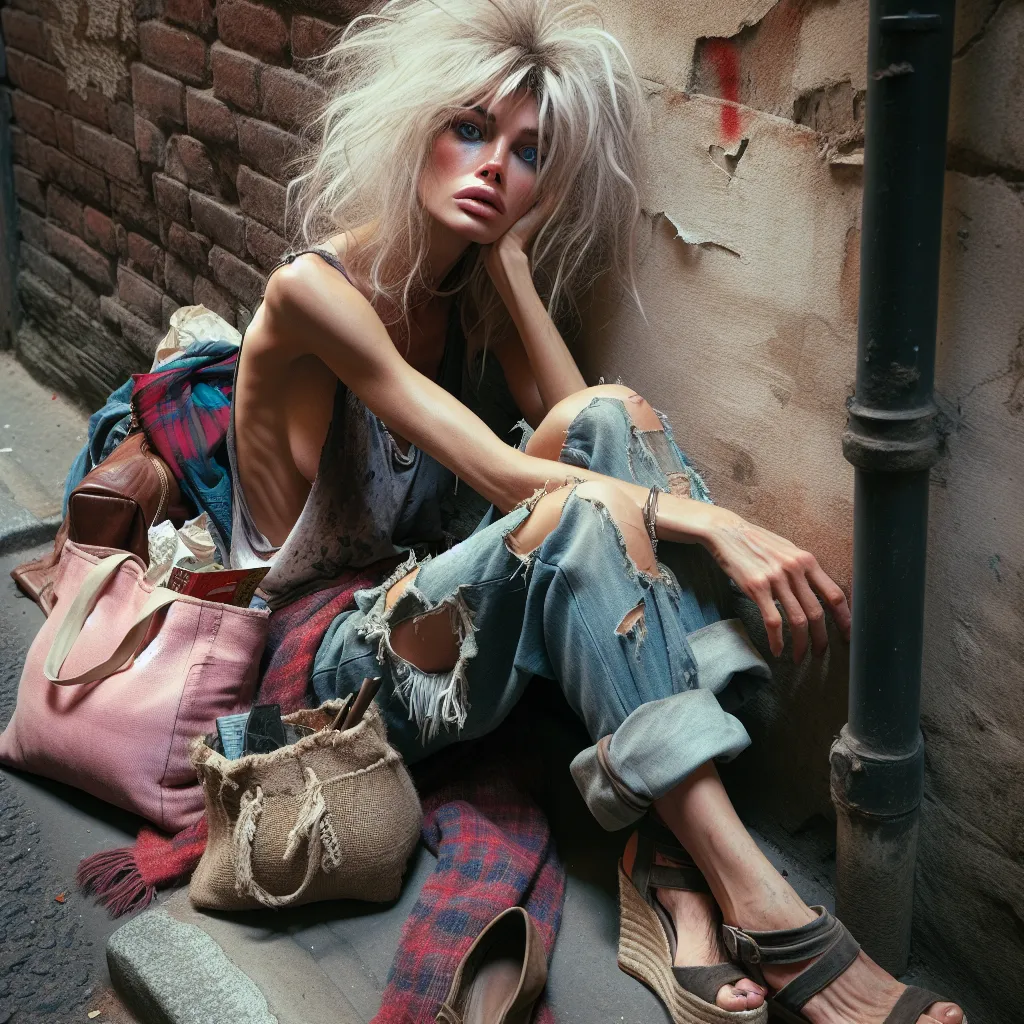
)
(747, 340)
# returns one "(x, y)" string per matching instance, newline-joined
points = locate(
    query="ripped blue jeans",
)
(655, 695)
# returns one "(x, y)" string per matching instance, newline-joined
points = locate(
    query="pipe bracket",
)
(876, 785)
(892, 440)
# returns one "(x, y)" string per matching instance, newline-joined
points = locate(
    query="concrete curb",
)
(26, 531)
(168, 972)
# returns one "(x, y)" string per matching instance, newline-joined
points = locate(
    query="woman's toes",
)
(732, 997)
(749, 985)
(944, 1013)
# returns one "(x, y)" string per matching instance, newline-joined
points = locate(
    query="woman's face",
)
(481, 174)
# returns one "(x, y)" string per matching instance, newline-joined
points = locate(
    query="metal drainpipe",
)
(892, 439)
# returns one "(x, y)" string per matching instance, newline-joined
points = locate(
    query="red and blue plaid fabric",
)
(184, 410)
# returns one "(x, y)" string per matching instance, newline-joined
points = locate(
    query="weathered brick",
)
(172, 198)
(34, 116)
(208, 118)
(72, 175)
(157, 97)
(289, 98)
(84, 297)
(114, 157)
(18, 145)
(32, 227)
(122, 122)
(134, 209)
(188, 160)
(145, 337)
(264, 245)
(194, 14)
(178, 279)
(42, 80)
(261, 198)
(150, 142)
(65, 123)
(193, 248)
(254, 28)
(245, 283)
(65, 210)
(25, 32)
(28, 187)
(235, 77)
(52, 271)
(82, 258)
(312, 36)
(174, 51)
(139, 295)
(99, 231)
(91, 107)
(218, 222)
(144, 256)
(269, 149)
(207, 294)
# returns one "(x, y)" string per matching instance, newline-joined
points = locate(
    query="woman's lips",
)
(476, 207)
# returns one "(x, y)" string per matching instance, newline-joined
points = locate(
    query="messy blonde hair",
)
(399, 77)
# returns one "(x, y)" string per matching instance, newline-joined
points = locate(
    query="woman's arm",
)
(313, 310)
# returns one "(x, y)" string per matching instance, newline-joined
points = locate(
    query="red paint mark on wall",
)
(724, 57)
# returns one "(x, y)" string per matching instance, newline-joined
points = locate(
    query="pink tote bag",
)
(119, 680)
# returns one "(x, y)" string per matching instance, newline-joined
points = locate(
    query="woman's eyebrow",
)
(529, 133)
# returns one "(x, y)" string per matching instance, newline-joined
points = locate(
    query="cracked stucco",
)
(92, 42)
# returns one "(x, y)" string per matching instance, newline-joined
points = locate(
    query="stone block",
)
(45, 267)
(208, 118)
(235, 77)
(274, 152)
(289, 98)
(224, 225)
(192, 247)
(121, 116)
(194, 14)
(150, 142)
(245, 283)
(65, 125)
(311, 36)
(82, 258)
(134, 209)
(178, 279)
(139, 295)
(157, 97)
(18, 145)
(32, 227)
(189, 161)
(145, 256)
(65, 210)
(114, 157)
(38, 78)
(143, 336)
(254, 28)
(172, 198)
(92, 107)
(213, 298)
(28, 187)
(25, 32)
(261, 198)
(99, 231)
(34, 117)
(84, 297)
(264, 245)
(174, 51)
(71, 174)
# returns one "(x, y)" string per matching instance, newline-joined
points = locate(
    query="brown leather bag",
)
(113, 507)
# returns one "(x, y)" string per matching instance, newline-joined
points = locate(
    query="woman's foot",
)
(696, 919)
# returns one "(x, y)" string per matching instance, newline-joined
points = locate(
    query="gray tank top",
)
(369, 499)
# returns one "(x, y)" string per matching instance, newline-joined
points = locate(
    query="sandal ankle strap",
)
(654, 838)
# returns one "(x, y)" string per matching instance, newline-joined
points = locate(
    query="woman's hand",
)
(768, 568)
(511, 248)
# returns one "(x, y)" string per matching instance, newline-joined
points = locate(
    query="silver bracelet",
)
(650, 516)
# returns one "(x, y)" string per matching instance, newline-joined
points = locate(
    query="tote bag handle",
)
(81, 607)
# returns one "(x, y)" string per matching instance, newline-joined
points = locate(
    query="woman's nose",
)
(490, 173)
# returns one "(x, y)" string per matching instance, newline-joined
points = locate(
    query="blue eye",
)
(529, 154)
(469, 131)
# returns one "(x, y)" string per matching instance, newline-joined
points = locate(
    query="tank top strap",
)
(325, 254)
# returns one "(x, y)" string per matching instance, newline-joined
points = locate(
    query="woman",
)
(476, 155)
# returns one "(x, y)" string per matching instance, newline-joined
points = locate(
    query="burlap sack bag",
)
(332, 816)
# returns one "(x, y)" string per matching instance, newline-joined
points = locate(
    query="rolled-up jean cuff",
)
(656, 747)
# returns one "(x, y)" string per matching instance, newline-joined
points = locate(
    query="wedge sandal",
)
(647, 936)
(836, 949)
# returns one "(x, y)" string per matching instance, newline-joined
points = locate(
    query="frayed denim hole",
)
(605, 517)
(633, 627)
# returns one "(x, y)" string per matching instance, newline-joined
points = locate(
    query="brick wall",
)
(166, 193)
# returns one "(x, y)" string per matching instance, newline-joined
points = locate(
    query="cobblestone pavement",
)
(51, 938)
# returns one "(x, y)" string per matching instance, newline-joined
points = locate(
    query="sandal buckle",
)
(740, 946)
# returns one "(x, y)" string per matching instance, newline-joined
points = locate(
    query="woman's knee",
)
(549, 437)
